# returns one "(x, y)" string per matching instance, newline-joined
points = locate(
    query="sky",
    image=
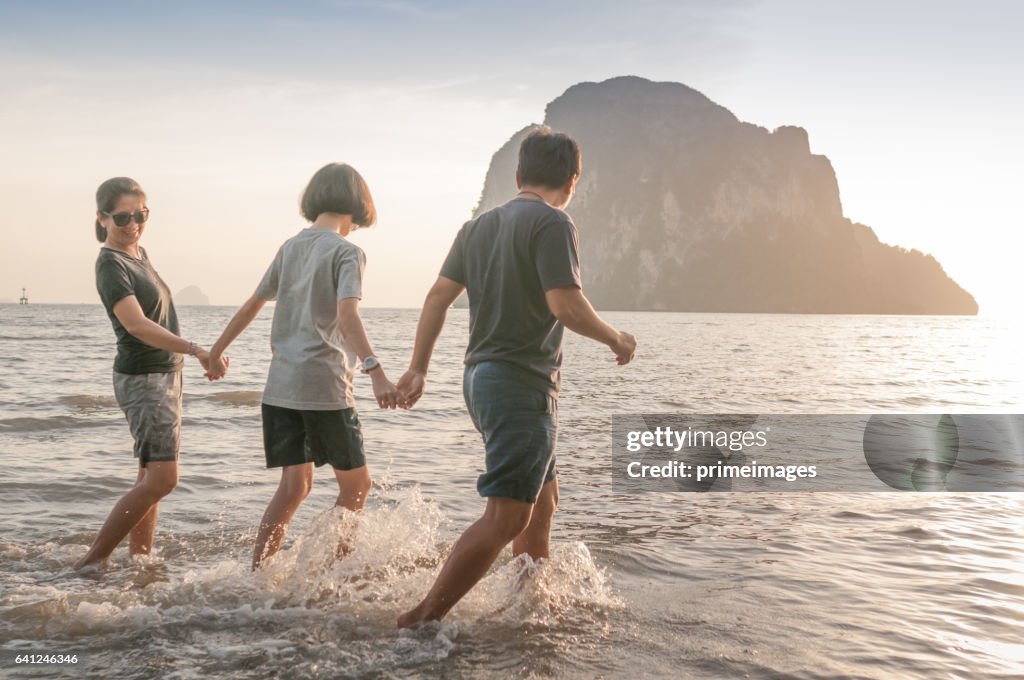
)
(222, 111)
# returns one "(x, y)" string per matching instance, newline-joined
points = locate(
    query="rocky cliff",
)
(683, 207)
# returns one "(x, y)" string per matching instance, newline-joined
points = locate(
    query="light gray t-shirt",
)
(312, 366)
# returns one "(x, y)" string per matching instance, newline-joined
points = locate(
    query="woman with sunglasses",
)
(147, 369)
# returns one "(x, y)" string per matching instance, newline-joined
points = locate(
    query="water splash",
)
(386, 550)
(392, 553)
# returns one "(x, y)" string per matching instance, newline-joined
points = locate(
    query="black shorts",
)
(292, 437)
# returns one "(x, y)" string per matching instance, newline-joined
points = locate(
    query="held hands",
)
(216, 365)
(624, 348)
(410, 388)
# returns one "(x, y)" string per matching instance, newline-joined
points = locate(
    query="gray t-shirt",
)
(507, 258)
(312, 366)
(119, 275)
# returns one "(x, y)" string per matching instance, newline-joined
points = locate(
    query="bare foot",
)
(413, 617)
(84, 566)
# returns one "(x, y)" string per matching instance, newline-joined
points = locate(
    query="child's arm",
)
(352, 329)
(239, 322)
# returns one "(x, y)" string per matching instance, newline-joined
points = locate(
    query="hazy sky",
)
(223, 111)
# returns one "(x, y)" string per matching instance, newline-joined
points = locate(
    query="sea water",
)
(719, 585)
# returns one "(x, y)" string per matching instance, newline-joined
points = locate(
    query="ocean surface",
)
(717, 585)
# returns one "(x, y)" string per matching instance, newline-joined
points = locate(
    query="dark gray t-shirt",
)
(507, 258)
(119, 275)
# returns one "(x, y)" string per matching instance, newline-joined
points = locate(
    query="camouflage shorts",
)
(152, 405)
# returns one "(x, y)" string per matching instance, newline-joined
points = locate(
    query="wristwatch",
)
(370, 363)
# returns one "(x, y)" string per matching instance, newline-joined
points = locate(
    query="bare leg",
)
(140, 538)
(296, 481)
(160, 480)
(472, 556)
(353, 488)
(535, 539)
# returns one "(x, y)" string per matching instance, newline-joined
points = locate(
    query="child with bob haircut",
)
(317, 338)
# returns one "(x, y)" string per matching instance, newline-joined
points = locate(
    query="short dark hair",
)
(109, 193)
(338, 188)
(548, 159)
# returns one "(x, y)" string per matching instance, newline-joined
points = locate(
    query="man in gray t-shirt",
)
(519, 263)
(507, 259)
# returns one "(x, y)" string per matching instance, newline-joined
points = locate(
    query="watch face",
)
(370, 363)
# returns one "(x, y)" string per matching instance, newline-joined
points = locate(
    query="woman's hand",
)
(202, 356)
(384, 391)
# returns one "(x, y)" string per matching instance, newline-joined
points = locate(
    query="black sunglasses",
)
(122, 219)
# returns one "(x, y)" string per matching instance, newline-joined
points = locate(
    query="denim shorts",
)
(293, 437)
(519, 424)
(152, 405)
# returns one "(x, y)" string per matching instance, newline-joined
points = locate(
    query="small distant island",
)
(191, 296)
(683, 207)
